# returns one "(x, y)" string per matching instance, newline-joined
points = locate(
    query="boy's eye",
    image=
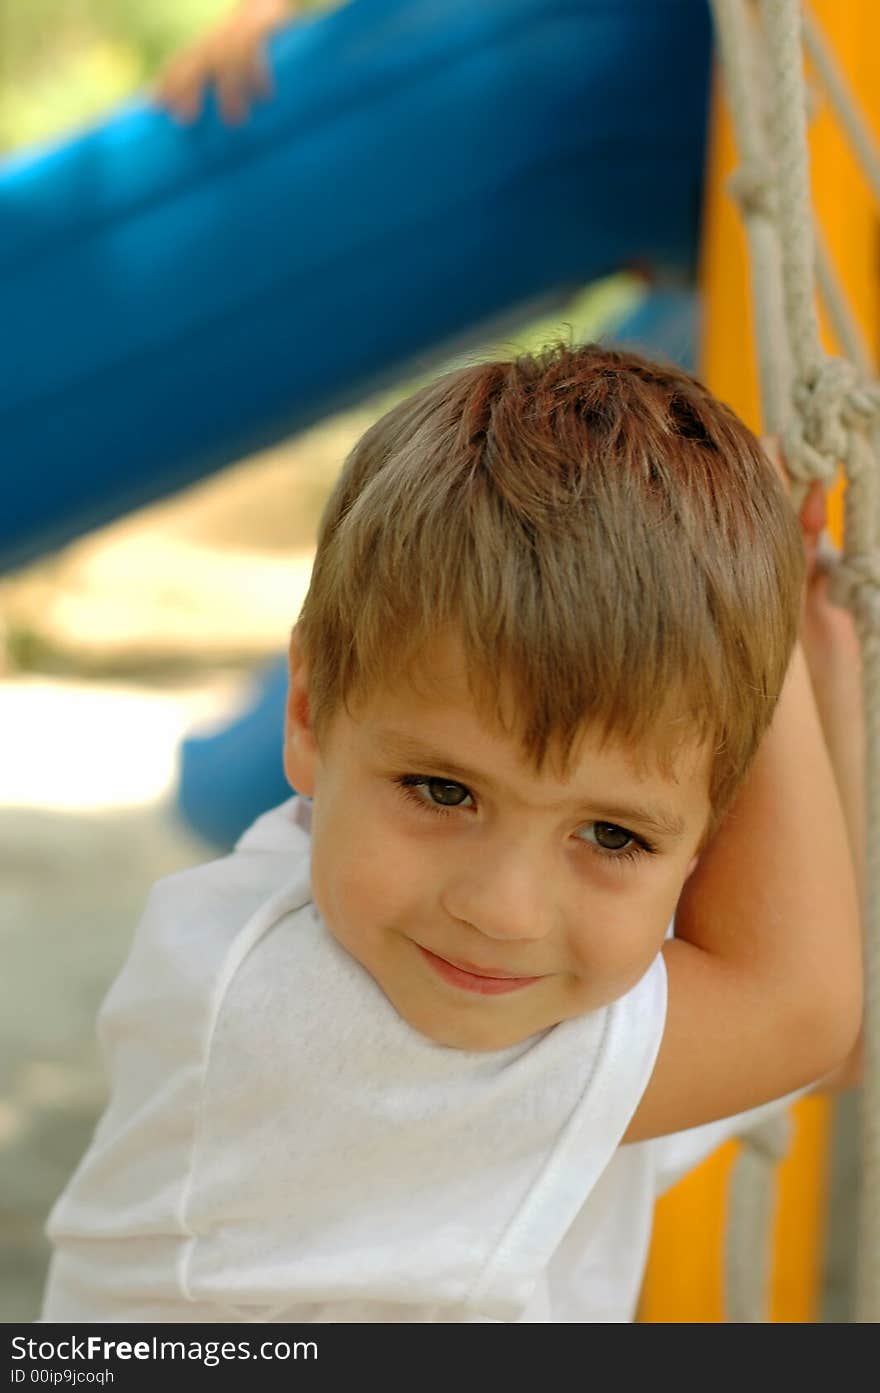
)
(446, 793)
(610, 837)
(434, 795)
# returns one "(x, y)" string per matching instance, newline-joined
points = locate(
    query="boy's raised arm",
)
(765, 974)
(833, 653)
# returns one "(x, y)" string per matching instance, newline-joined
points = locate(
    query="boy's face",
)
(488, 902)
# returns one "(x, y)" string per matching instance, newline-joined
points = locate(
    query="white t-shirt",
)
(281, 1146)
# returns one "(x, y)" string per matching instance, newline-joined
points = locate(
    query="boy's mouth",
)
(473, 978)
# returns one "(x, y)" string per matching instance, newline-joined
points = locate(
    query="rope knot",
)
(753, 187)
(829, 403)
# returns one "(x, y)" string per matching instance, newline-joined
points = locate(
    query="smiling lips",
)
(472, 979)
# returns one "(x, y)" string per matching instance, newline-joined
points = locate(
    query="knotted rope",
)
(826, 412)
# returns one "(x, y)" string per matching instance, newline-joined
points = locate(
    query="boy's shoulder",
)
(273, 849)
(271, 853)
(194, 919)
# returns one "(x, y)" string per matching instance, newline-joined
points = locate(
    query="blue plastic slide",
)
(175, 298)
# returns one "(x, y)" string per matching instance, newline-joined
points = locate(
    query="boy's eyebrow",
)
(662, 821)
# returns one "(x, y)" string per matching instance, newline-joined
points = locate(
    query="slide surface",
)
(175, 298)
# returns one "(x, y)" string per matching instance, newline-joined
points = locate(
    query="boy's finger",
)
(813, 510)
(182, 70)
(827, 554)
(184, 105)
(232, 96)
(260, 74)
(240, 78)
(180, 88)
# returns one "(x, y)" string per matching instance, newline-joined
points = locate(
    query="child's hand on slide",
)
(232, 56)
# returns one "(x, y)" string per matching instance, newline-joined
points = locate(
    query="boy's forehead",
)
(452, 743)
(439, 677)
(435, 709)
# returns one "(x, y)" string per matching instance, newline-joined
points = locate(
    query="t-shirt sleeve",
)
(680, 1152)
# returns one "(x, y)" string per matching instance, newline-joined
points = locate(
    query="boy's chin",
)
(478, 1033)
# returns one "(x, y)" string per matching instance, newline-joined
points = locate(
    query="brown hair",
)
(598, 529)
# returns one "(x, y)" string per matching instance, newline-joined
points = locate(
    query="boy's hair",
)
(600, 532)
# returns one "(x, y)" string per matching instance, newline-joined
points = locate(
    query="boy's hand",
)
(811, 510)
(827, 632)
(833, 655)
(231, 56)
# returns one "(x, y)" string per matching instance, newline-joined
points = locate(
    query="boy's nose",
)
(505, 897)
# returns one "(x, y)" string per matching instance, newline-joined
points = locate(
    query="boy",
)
(545, 694)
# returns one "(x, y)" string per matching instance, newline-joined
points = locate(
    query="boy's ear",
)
(300, 749)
